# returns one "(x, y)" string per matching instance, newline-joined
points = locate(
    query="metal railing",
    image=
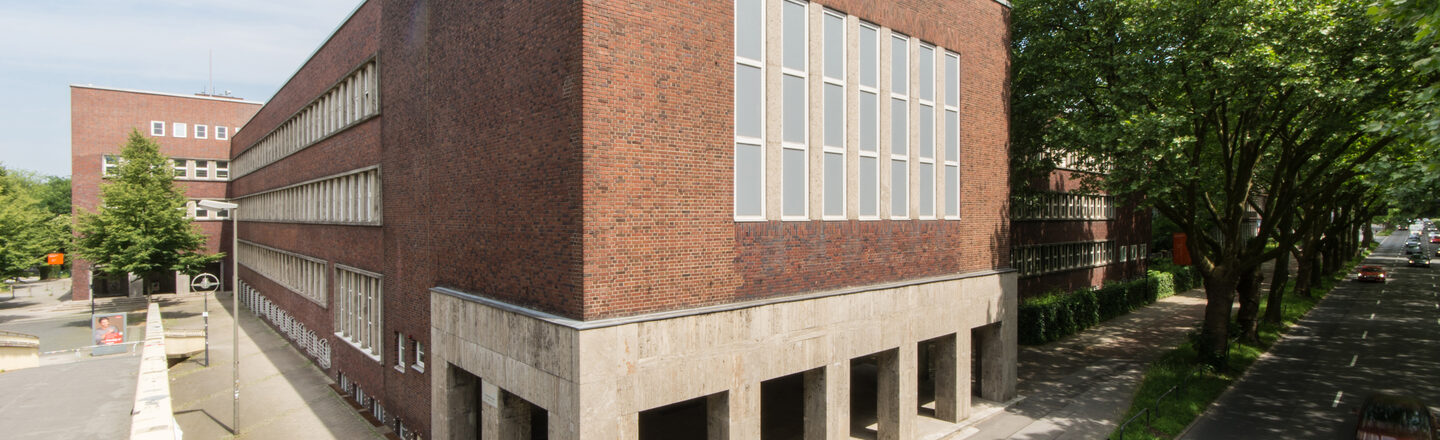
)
(1152, 413)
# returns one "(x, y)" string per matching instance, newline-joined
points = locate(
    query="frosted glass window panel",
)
(952, 136)
(952, 80)
(899, 127)
(926, 64)
(927, 131)
(834, 46)
(869, 186)
(793, 195)
(749, 169)
(834, 115)
(869, 122)
(794, 109)
(927, 190)
(952, 191)
(834, 184)
(749, 101)
(794, 32)
(899, 65)
(749, 29)
(869, 57)
(899, 187)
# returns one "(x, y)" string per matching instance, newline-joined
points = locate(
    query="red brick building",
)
(643, 219)
(1067, 238)
(194, 130)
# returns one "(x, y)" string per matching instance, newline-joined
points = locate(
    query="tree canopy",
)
(141, 225)
(29, 227)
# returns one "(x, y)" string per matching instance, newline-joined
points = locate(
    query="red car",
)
(1434, 238)
(1384, 417)
(1371, 273)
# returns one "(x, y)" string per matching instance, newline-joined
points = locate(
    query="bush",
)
(1058, 314)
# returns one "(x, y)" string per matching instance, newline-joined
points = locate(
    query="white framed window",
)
(419, 364)
(1124, 254)
(201, 213)
(222, 133)
(352, 197)
(399, 352)
(202, 131)
(899, 127)
(301, 274)
(157, 128)
(869, 148)
(952, 135)
(925, 122)
(833, 142)
(749, 110)
(109, 164)
(202, 169)
(178, 129)
(795, 106)
(181, 170)
(358, 303)
(1144, 250)
(222, 169)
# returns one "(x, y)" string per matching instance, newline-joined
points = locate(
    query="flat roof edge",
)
(177, 95)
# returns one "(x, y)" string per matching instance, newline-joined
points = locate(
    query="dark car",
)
(1385, 416)
(1421, 260)
(1371, 273)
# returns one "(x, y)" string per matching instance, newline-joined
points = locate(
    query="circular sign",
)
(204, 283)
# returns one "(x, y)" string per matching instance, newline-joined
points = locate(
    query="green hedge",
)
(1056, 315)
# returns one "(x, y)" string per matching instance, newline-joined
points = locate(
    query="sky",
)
(157, 45)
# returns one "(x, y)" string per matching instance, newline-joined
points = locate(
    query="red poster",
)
(1182, 253)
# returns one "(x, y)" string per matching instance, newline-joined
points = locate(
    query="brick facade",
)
(100, 122)
(576, 158)
(1130, 226)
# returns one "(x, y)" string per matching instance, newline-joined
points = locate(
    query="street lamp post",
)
(232, 208)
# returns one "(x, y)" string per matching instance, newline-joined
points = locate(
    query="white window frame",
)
(400, 352)
(222, 133)
(751, 141)
(157, 128)
(106, 167)
(182, 168)
(826, 148)
(934, 128)
(872, 90)
(196, 169)
(202, 131)
(952, 111)
(355, 323)
(804, 145)
(219, 169)
(419, 364)
(904, 98)
(178, 130)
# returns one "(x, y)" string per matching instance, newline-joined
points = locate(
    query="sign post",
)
(205, 283)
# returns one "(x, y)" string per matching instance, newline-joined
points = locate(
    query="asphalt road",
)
(1363, 338)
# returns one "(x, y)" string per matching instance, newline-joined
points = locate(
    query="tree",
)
(141, 226)
(22, 228)
(1204, 107)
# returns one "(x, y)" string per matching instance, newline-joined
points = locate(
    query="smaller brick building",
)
(1065, 238)
(194, 130)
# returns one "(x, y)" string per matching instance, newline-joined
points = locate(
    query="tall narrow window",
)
(834, 142)
(749, 110)
(952, 135)
(925, 122)
(899, 126)
(157, 128)
(795, 182)
(869, 121)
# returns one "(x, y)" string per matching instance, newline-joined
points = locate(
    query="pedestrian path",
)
(282, 394)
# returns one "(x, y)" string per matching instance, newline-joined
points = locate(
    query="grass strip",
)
(1196, 385)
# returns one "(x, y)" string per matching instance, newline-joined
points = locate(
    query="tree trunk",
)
(1214, 346)
(1274, 312)
(1248, 289)
(1369, 235)
(1305, 259)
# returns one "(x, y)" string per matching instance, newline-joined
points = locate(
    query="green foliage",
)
(141, 226)
(1059, 314)
(28, 228)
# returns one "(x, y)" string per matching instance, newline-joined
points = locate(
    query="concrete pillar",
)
(460, 403)
(734, 414)
(896, 393)
(827, 402)
(950, 384)
(997, 363)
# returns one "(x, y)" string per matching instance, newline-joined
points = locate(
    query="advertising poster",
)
(108, 329)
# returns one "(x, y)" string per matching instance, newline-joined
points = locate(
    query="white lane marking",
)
(1377, 302)
(1364, 334)
(1337, 399)
(1353, 359)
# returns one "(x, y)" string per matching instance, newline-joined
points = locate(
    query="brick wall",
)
(658, 133)
(100, 124)
(1130, 226)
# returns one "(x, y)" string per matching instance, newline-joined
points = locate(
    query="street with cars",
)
(1377, 338)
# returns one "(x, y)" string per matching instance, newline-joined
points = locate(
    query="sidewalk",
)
(1080, 386)
(282, 394)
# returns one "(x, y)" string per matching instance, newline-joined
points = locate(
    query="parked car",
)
(1413, 248)
(1371, 273)
(1421, 260)
(1385, 416)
